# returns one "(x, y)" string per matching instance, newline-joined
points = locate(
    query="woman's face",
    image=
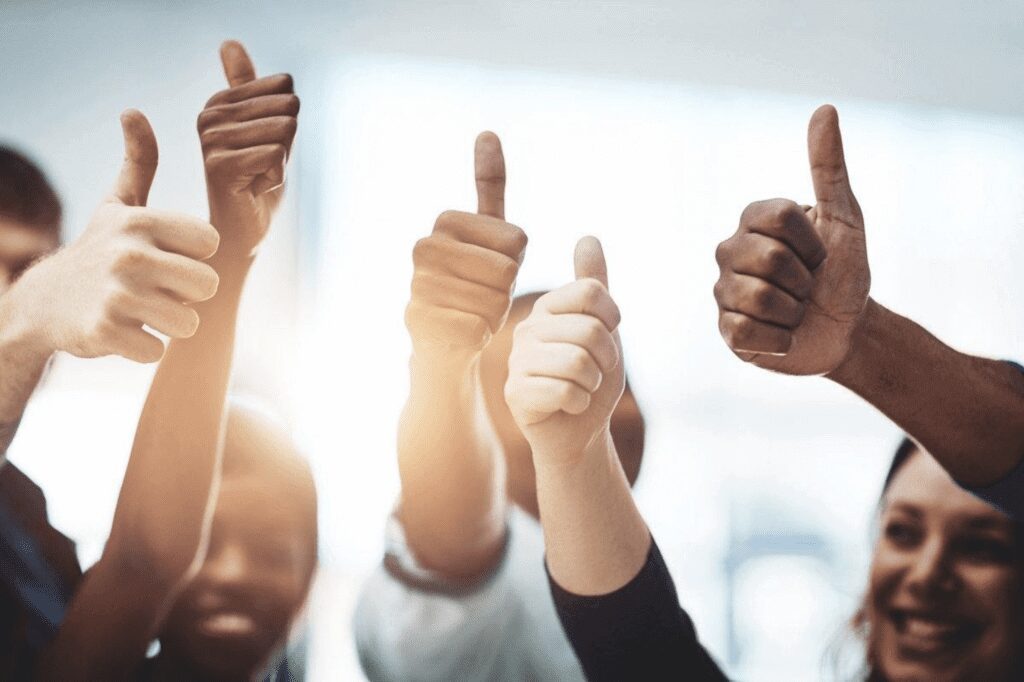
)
(944, 600)
(236, 612)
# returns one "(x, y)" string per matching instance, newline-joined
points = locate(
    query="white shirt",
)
(503, 629)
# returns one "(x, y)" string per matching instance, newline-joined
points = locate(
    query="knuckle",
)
(291, 125)
(516, 237)
(217, 98)
(209, 137)
(578, 360)
(285, 82)
(719, 290)
(129, 261)
(425, 251)
(776, 257)
(592, 292)
(446, 221)
(722, 252)
(763, 296)
(293, 103)
(508, 271)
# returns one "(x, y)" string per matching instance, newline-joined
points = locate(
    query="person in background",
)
(793, 297)
(945, 595)
(193, 557)
(461, 593)
(131, 266)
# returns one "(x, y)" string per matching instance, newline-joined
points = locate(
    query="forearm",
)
(23, 357)
(453, 502)
(968, 412)
(595, 538)
(163, 511)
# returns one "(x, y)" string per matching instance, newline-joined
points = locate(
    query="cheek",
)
(887, 569)
(995, 594)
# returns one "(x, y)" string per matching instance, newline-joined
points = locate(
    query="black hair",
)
(26, 196)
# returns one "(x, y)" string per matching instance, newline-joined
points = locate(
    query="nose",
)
(228, 567)
(930, 572)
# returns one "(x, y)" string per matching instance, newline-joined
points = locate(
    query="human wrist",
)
(21, 328)
(559, 461)
(871, 336)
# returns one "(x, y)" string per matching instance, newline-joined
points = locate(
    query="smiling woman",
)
(944, 598)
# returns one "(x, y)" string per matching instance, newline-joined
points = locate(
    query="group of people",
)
(515, 550)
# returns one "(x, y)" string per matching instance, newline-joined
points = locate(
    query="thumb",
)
(828, 165)
(489, 163)
(238, 67)
(589, 260)
(140, 159)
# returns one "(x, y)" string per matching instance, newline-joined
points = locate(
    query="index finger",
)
(786, 221)
(489, 166)
(180, 233)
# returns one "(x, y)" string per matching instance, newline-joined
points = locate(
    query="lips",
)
(228, 624)
(930, 633)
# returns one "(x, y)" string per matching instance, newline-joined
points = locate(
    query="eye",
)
(902, 534)
(987, 550)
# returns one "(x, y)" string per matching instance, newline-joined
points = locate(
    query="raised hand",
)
(246, 133)
(132, 266)
(794, 280)
(565, 370)
(465, 271)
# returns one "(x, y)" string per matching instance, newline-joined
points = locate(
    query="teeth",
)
(229, 624)
(925, 628)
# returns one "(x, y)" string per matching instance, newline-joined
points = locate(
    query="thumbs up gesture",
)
(132, 266)
(465, 271)
(246, 132)
(565, 370)
(794, 280)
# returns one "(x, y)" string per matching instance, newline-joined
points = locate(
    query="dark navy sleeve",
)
(1006, 494)
(638, 632)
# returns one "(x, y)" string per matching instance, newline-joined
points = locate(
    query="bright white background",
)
(650, 125)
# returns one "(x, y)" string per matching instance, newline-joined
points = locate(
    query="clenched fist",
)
(794, 280)
(132, 266)
(246, 133)
(565, 372)
(465, 271)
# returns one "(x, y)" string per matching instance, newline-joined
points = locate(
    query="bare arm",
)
(565, 378)
(793, 298)
(22, 360)
(968, 412)
(453, 500)
(161, 522)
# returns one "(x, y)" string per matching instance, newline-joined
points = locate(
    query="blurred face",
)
(944, 600)
(237, 610)
(20, 246)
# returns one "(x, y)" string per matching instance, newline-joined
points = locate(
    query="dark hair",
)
(26, 196)
(858, 625)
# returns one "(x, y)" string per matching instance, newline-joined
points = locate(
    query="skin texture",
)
(21, 364)
(132, 266)
(793, 298)
(565, 379)
(161, 527)
(944, 600)
(463, 277)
